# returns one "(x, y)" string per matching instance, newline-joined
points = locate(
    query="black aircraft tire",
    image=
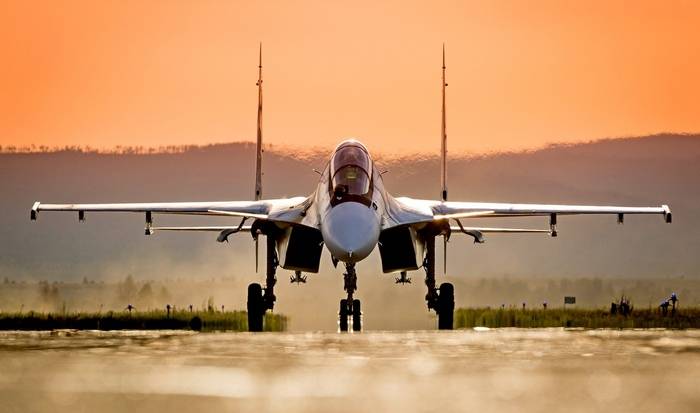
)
(356, 316)
(446, 306)
(256, 309)
(343, 315)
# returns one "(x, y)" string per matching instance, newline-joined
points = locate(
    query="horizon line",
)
(311, 150)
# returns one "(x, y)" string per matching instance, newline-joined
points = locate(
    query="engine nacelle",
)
(300, 248)
(401, 249)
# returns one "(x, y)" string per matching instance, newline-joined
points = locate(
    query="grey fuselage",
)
(350, 223)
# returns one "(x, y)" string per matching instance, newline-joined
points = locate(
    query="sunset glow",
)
(520, 74)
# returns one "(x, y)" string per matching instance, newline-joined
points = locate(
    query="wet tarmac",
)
(530, 370)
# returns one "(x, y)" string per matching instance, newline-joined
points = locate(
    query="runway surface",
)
(489, 371)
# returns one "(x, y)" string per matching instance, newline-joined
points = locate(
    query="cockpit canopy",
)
(351, 172)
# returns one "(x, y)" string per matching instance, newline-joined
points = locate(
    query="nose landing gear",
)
(350, 307)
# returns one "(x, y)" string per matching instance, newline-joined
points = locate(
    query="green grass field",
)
(574, 317)
(138, 320)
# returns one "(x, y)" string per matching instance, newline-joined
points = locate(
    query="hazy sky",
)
(521, 73)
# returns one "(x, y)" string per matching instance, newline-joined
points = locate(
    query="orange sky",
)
(521, 74)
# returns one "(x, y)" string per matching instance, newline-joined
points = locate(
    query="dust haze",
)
(592, 254)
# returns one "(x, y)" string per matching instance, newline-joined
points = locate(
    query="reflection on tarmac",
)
(486, 370)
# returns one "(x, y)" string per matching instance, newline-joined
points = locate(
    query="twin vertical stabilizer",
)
(259, 148)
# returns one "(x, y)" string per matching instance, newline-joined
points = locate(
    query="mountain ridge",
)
(643, 171)
(314, 151)
(109, 247)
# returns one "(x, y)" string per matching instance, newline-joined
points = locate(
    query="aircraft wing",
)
(291, 210)
(417, 210)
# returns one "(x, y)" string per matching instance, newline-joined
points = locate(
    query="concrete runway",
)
(530, 370)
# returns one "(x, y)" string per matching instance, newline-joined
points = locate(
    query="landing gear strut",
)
(350, 306)
(441, 300)
(262, 299)
(271, 270)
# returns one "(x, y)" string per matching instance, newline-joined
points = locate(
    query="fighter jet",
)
(351, 213)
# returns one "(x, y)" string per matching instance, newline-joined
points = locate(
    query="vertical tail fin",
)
(259, 149)
(443, 135)
(443, 156)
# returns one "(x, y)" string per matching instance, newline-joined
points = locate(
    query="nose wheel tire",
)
(343, 315)
(346, 311)
(446, 306)
(356, 316)
(256, 307)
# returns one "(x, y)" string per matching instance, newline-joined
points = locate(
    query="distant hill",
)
(632, 171)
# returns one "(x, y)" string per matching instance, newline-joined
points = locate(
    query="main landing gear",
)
(442, 299)
(350, 307)
(262, 299)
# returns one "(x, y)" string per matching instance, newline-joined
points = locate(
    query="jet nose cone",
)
(350, 231)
